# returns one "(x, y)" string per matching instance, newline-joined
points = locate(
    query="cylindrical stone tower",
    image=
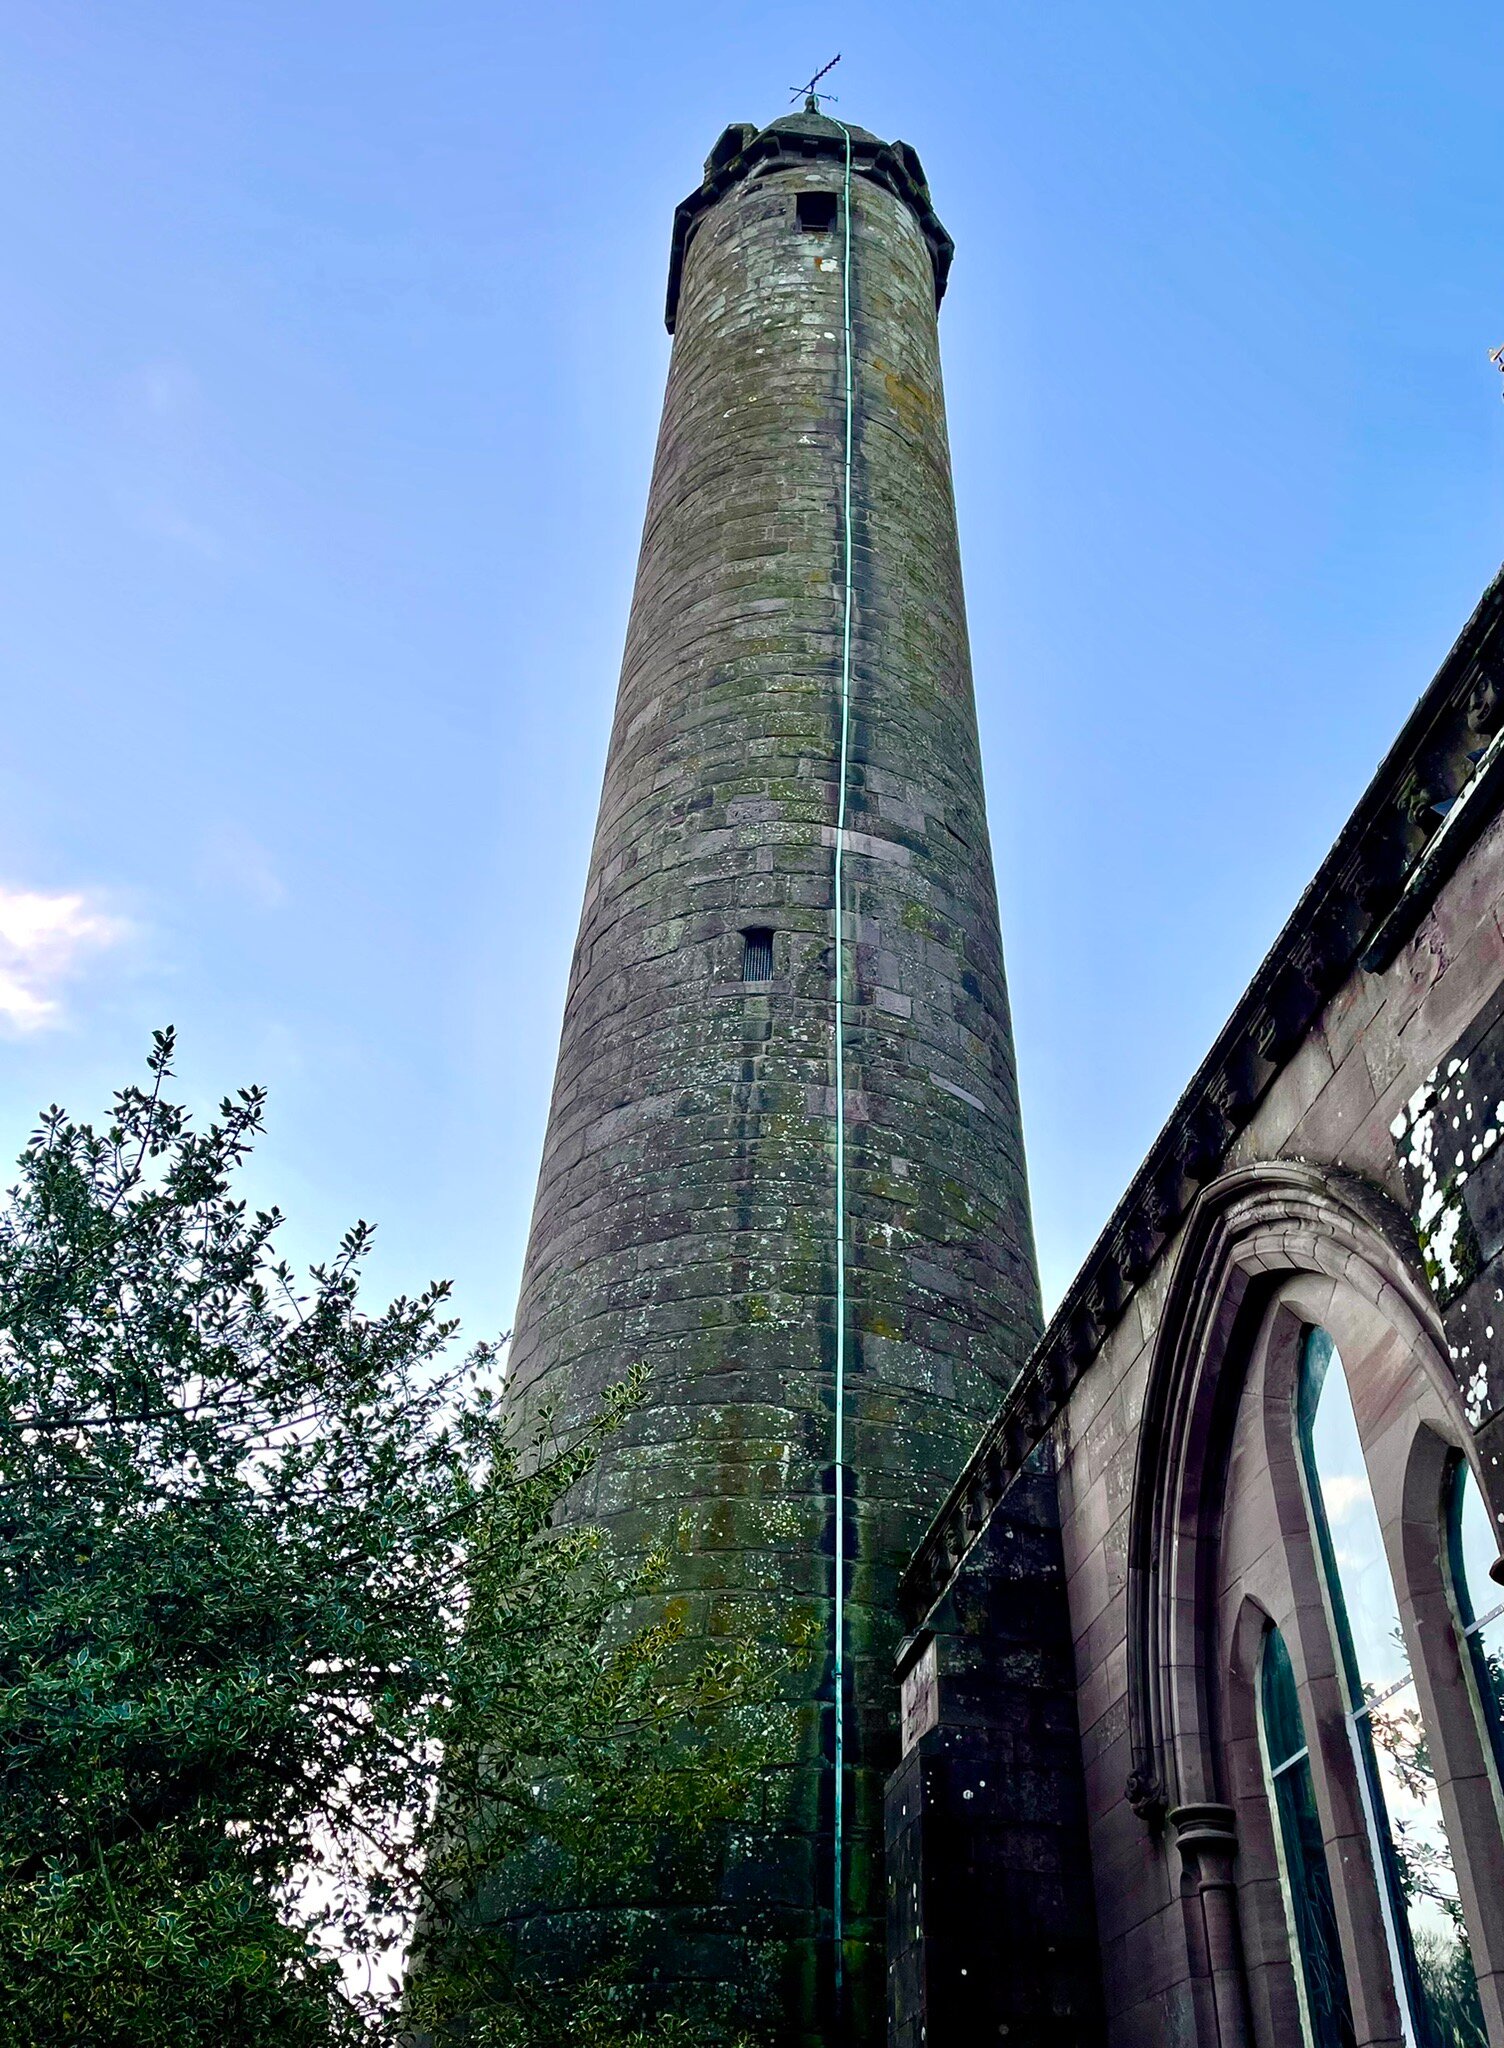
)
(686, 1212)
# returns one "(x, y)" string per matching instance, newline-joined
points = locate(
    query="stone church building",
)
(1147, 1665)
(1206, 1644)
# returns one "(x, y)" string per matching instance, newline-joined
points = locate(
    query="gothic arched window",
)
(1321, 1981)
(1391, 1744)
(1480, 1605)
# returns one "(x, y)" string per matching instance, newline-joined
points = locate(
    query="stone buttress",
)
(685, 1211)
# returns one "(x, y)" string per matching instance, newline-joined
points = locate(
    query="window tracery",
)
(1224, 1547)
(1480, 1608)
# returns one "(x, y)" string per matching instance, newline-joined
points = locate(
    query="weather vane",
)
(812, 98)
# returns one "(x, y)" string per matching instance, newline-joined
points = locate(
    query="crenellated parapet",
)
(744, 151)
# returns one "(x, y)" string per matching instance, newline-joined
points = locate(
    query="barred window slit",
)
(757, 953)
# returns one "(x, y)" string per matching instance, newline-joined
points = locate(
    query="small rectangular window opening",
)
(816, 211)
(757, 953)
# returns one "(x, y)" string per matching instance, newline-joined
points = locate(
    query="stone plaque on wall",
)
(921, 1696)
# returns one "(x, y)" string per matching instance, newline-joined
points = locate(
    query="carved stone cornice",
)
(1207, 1837)
(745, 151)
(1437, 789)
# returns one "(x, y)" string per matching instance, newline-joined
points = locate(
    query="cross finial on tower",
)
(812, 98)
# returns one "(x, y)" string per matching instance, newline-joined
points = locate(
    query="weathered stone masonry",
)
(1335, 1161)
(684, 1212)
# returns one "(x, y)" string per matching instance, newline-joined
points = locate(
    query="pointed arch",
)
(1247, 1231)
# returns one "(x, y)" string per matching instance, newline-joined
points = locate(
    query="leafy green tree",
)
(1423, 1866)
(274, 1592)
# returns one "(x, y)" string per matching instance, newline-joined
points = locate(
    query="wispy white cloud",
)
(1342, 1492)
(159, 519)
(44, 939)
(165, 389)
(162, 417)
(233, 858)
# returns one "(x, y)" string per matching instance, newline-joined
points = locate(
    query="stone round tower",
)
(798, 606)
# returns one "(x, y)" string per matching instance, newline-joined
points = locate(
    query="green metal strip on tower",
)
(839, 1027)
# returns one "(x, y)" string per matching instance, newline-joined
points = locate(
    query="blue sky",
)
(333, 352)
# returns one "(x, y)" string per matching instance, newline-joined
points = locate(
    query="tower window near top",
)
(816, 212)
(757, 953)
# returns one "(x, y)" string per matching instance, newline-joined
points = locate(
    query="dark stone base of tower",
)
(1093, 1830)
(991, 1931)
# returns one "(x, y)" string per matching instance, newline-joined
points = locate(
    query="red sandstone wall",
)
(1334, 1104)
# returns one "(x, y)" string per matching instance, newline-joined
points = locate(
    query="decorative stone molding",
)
(1368, 897)
(1206, 1837)
(1254, 1222)
(1146, 1795)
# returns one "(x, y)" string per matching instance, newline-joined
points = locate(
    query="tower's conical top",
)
(808, 120)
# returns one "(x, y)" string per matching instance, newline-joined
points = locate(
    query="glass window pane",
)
(1284, 1730)
(1389, 1737)
(1480, 1600)
(1317, 1950)
(1369, 1617)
